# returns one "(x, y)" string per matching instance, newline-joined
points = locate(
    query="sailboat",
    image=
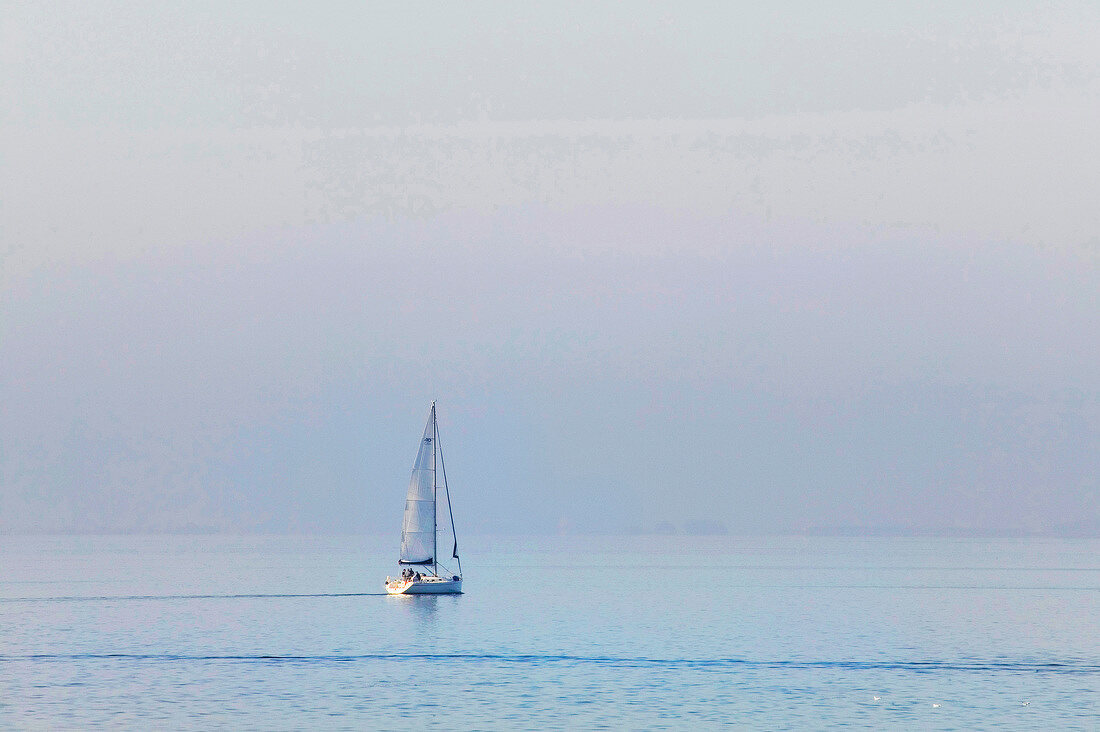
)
(422, 573)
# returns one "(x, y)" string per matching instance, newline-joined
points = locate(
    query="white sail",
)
(418, 530)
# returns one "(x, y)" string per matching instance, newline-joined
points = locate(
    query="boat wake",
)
(251, 596)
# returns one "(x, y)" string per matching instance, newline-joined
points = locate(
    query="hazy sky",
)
(786, 267)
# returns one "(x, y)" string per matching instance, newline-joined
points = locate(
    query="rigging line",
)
(435, 492)
(447, 490)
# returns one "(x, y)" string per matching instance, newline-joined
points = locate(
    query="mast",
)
(435, 500)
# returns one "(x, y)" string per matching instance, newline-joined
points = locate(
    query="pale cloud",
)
(1019, 170)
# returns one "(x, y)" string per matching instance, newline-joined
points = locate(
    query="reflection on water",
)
(425, 608)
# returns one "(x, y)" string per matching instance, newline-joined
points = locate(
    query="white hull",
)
(424, 586)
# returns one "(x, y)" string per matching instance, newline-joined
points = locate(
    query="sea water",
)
(553, 632)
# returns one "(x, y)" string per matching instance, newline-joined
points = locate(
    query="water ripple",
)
(920, 666)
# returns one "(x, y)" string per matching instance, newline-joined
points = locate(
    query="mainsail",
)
(418, 530)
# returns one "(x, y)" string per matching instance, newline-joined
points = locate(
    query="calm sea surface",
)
(623, 632)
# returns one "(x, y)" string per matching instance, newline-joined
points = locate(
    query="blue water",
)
(613, 632)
